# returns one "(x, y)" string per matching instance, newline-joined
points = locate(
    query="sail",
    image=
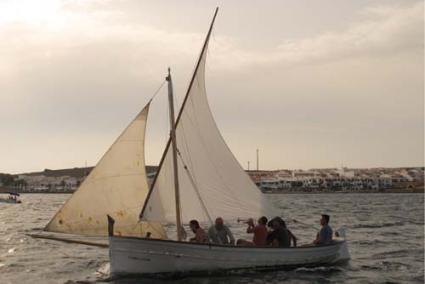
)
(212, 182)
(116, 186)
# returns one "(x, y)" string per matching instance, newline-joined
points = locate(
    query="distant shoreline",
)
(349, 192)
(362, 191)
(415, 190)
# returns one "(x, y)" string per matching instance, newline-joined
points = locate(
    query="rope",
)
(192, 178)
(157, 91)
(195, 188)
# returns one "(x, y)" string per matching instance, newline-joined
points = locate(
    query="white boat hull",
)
(148, 256)
(7, 200)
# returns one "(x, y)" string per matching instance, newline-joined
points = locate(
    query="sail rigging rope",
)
(191, 177)
(195, 187)
(157, 91)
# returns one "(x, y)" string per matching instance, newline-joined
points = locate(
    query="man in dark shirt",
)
(324, 237)
(279, 237)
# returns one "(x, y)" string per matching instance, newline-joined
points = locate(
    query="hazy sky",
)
(310, 83)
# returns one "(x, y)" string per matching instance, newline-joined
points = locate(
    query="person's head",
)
(194, 225)
(275, 224)
(270, 224)
(262, 220)
(280, 221)
(324, 220)
(219, 223)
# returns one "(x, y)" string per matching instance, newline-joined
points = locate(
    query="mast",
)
(174, 145)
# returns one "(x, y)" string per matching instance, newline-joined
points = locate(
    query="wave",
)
(373, 242)
(320, 269)
(378, 225)
(395, 253)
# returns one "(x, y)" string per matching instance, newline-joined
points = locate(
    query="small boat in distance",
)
(199, 178)
(12, 198)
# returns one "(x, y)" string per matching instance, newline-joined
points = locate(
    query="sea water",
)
(385, 233)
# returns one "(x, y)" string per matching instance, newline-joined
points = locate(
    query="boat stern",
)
(343, 253)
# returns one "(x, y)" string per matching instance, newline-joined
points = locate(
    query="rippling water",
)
(385, 233)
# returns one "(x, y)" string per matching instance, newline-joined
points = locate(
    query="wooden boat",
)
(129, 255)
(199, 178)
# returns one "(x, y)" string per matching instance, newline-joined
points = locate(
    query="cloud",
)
(380, 31)
(77, 71)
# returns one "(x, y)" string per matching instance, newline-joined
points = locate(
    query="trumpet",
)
(245, 220)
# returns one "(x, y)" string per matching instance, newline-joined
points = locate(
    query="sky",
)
(311, 84)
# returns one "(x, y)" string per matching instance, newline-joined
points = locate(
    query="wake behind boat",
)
(199, 178)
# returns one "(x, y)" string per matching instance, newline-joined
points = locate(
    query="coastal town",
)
(332, 180)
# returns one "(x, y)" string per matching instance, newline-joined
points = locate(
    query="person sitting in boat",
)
(279, 237)
(200, 235)
(260, 233)
(220, 233)
(324, 237)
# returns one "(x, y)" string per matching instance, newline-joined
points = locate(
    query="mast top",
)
(168, 78)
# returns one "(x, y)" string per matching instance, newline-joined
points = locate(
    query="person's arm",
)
(269, 238)
(317, 240)
(321, 237)
(294, 239)
(205, 238)
(212, 235)
(251, 226)
(201, 236)
(231, 238)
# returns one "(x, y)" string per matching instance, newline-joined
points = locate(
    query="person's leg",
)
(245, 243)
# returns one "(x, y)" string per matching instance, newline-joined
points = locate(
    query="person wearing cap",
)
(324, 237)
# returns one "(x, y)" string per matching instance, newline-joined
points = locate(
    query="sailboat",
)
(199, 178)
(12, 198)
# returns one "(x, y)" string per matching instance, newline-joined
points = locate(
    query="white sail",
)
(116, 186)
(214, 183)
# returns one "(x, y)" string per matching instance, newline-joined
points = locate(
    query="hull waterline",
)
(10, 201)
